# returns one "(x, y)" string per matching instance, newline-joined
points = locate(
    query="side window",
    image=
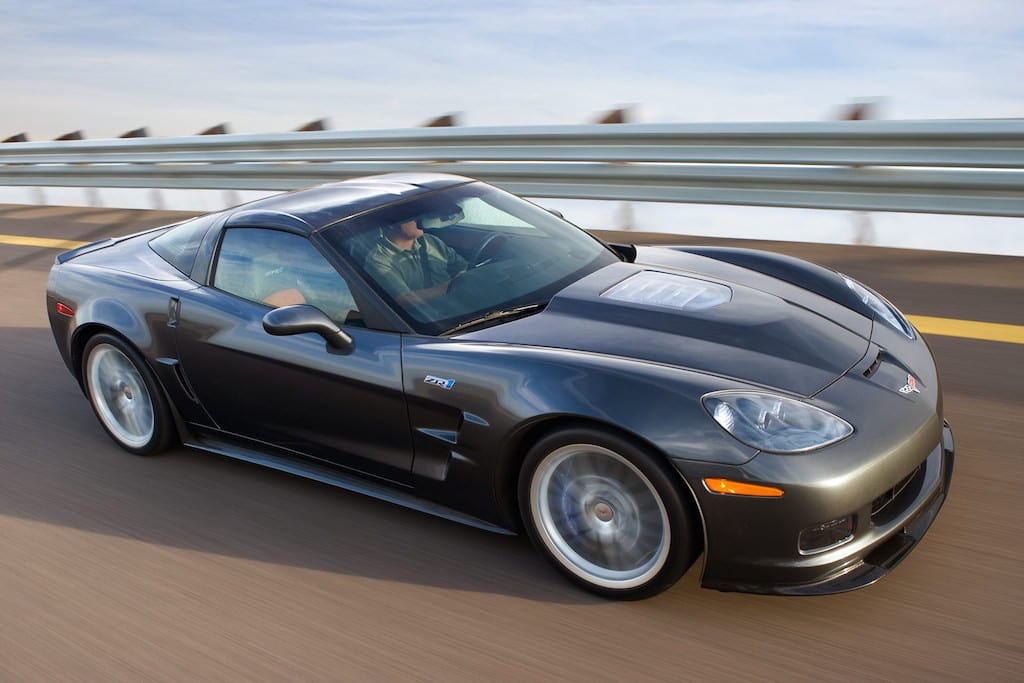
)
(280, 269)
(179, 245)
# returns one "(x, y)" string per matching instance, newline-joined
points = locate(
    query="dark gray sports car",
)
(437, 342)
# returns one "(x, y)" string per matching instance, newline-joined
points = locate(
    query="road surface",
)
(188, 566)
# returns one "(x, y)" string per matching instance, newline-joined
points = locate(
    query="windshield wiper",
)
(497, 315)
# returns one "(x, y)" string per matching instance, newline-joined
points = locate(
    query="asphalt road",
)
(187, 566)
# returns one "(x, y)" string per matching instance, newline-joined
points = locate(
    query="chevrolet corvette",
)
(437, 342)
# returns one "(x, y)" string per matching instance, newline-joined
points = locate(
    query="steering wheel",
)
(477, 258)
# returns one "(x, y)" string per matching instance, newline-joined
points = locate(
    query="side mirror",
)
(627, 252)
(302, 318)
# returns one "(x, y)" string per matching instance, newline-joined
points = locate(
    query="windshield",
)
(454, 256)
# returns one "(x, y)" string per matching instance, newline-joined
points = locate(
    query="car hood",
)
(757, 329)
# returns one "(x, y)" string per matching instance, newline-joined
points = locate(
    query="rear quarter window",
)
(180, 245)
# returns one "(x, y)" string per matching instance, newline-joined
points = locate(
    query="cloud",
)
(178, 67)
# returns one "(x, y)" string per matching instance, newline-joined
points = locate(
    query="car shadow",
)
(58, 466)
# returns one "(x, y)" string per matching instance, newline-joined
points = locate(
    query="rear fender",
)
(107, 315)
(113, 314)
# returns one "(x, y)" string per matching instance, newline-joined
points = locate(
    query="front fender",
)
(467, 418)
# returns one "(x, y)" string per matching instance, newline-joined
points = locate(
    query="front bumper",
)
(881, 541)
(890, 551)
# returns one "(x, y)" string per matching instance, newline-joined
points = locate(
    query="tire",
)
(125, 396)
(606, 514)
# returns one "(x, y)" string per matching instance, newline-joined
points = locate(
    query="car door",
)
(294, 392)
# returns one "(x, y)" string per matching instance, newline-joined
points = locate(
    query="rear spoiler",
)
(66, 256)
(93, 246)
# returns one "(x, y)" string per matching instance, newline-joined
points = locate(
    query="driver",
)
(411, 264)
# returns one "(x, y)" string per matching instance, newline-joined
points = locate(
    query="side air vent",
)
(874, 366)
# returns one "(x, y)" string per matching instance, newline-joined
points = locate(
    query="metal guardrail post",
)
(620, 115)
(443, 121)
(219, 129)
(230, 196)
(625, 216)
(319, 124)
(863, 225)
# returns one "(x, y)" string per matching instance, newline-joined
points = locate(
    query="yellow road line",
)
(946, 327)
(45, 242)
(969, 329)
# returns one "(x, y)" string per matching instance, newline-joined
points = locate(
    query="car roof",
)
(320, 206)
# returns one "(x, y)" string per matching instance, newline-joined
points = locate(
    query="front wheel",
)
(606, 514)
(125, 396)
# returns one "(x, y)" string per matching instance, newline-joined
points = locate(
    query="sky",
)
(109, 66)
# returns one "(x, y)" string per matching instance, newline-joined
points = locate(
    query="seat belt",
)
(424, 266)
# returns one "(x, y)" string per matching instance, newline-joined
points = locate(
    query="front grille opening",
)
(822, 537)
(893, 502)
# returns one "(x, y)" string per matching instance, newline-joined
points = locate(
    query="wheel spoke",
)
(120, 396)
(134, 421)
(600, 516)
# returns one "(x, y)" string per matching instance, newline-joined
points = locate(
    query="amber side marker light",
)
(64, 309)
(738, 488)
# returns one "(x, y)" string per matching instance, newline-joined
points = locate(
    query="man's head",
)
(404, 230)
(411, 228)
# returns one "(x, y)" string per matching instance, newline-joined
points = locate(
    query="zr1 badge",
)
(439, 381)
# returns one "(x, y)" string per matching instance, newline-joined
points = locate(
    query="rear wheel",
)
(125, 396)
(606, 514)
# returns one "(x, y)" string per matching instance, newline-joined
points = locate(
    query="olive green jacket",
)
(430, 262)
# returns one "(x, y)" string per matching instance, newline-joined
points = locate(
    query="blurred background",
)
(102, 69)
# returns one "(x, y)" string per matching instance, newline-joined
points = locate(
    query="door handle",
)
(173, 310)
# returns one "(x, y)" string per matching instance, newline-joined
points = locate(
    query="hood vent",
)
(677, 292)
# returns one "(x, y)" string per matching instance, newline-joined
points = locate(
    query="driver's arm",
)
(285, 297)
(454, 262)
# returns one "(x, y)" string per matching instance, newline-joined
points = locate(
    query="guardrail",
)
(971, 167)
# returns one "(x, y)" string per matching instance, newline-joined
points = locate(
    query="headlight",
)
(882, 308)
(775, 423)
